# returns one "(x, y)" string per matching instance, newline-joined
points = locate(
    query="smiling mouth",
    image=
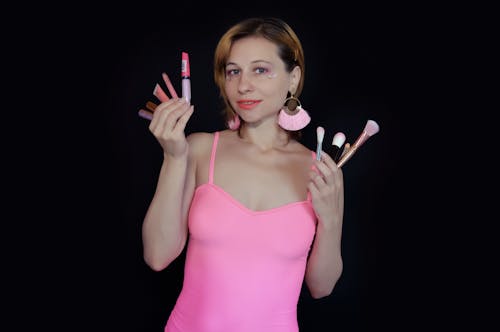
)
(248, 104)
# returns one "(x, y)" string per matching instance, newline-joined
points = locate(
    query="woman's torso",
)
(251, 225)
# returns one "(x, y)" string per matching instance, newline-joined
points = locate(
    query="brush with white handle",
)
(371, 128)
(320, 134)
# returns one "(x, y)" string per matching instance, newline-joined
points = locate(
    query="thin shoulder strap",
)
(212, 158)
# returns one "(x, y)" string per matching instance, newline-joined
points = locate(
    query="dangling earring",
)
(293, 119)
(234, 123)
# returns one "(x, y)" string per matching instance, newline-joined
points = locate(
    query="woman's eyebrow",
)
(253, 62)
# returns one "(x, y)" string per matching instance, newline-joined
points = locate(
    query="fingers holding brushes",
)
(168, 124)
(326, 185)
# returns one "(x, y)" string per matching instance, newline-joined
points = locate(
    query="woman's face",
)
(257, 82)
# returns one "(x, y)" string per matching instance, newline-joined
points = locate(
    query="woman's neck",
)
(265, 136)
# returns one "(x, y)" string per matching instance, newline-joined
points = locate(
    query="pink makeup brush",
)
(338, 141)
(320, 134)
(371, 128)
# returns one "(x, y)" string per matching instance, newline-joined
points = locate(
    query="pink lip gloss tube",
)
(186, 77)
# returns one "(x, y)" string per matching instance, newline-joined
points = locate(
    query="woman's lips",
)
(248, 104)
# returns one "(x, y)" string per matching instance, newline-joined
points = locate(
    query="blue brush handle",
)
(318, 152)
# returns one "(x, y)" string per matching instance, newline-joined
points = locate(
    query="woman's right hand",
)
(168, 124)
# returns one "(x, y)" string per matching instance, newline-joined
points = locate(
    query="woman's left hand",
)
(327, 191)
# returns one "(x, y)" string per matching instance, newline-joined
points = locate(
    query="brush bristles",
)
(320, 133)
(338, 139)
(371, 127)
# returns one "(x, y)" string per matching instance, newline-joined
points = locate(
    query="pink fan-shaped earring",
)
(293, 119)
(234, 123)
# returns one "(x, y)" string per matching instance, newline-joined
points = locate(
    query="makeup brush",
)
(338, 141)
(371, 128)
(320, 134)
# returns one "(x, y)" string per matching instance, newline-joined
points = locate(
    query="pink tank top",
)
(244, 269)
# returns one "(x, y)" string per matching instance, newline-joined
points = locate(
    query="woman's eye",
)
(232, 72)
(261, 70)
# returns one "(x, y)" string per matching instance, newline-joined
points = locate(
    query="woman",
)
(258, 212)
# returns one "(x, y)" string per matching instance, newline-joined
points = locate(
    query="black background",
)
(90, 69)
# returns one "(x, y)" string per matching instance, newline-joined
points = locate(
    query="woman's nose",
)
(245, 83)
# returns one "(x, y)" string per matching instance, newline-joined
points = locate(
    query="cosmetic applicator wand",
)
(146, 114)
(371, 128)
(320, 134)
(337, 142)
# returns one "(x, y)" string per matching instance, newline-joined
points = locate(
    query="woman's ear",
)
(295, 79)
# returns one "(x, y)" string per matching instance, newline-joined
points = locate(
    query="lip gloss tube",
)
(186, 77)
(146, 114)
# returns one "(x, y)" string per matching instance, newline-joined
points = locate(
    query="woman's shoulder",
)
(199, 141)
(202, 142)
(199, 137)
(300, 148)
